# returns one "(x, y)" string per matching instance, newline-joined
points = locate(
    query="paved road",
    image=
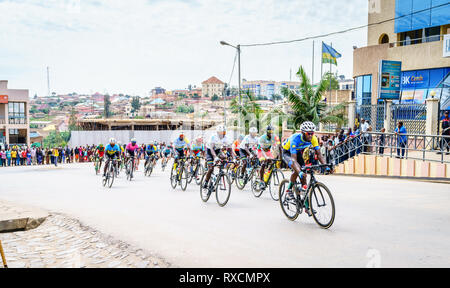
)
(388, 222)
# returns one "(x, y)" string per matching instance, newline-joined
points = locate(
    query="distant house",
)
(213, 86)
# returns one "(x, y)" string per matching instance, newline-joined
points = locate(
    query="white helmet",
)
(133, 140)
(308, 126)
(112, 140)
(221, 128)
(253, 130)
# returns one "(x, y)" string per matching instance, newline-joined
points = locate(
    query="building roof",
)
(212, 80)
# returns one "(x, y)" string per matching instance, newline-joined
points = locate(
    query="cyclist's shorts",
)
(261, 156)
(243, 154)
(167, 153)
(113, 156)
(179, 153)
(288, 159)
(209, 155)
(149, 153)
(131, 152)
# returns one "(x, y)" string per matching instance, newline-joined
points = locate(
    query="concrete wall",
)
(81, 138)
(380, 10)
(372, 165)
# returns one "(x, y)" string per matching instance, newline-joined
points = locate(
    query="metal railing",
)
(435, 148)
(413, 117)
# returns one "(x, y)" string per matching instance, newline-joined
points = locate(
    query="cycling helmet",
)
(133, 140)
(241, 137)
(253, 130)
(221, 128)
(269, 128)
(308, 126)
(112, 140)
(100, 145)
(199, 139)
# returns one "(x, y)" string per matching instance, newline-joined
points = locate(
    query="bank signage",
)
(4, 99)
(446, 46)
(389, 73)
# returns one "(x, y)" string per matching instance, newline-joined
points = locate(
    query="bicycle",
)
(148, 167)
(98, 164)
(196, 169)
(314, 197)
(272, 179)
(111, 171)
(179, 174)
(232, 170)
(243, 178)
(130, 167)
(217, 183)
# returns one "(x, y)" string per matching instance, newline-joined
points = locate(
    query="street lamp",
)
(238, 48)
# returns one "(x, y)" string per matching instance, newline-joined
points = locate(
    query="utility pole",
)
(48, 81)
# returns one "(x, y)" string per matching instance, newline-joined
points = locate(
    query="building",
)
(264, 88)
(345, 84)
(14, 116)
(417, 39)
(212, 86)
(158, 90)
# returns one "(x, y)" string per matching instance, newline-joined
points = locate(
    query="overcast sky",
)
(132, 46)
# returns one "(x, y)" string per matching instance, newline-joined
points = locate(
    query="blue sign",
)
(389, 79)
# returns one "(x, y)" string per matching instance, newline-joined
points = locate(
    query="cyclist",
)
(180, 145)
(100, 152)
(266, 143)
(131, 151)
(293, 148)
(151, 153)
(247, 147)
(167, 151)
(112, 151)
(217, 143)
(236, 144)
(197, 151)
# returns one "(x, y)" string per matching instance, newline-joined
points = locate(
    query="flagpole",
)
(330, 78)
(321, 63)
(312, 75)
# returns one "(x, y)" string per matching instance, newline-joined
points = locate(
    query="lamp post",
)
(238, 48)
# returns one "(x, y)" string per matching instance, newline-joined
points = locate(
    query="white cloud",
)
(116, 46)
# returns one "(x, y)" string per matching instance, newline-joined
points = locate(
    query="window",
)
(364, 90)
(383, 39)
(16, 113)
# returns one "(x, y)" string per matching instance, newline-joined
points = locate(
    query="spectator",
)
(2, 158)
(382, 141)
(365, 136)
(445, 141)
(402, 139)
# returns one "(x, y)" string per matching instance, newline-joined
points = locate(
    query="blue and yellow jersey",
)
(197, 148)
(151, 148)
(296, 143)
(181, 144)
(112, 150)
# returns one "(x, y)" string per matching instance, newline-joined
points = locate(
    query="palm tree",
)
(309, 106)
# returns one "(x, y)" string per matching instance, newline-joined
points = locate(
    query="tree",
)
(334, 81)
(107, 104)
(215, 98)
(308, 105)
(135, 104)
(185, 109)
(73, 120)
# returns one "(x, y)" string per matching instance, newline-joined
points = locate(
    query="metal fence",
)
(373, 113)
(413, 117)
(434, 148)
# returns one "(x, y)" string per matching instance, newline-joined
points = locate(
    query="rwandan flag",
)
(329, 55)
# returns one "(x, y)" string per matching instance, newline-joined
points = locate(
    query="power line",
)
(342, 31)
(232, 71)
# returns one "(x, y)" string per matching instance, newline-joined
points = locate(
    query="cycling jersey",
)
(180, 143)
(151, 148)
(101, 151)
(250, 141)
(236, 145)
(112, 150)
(265, 143)
(296, 143)
(216, 143)
(131, 148)
(197, 148)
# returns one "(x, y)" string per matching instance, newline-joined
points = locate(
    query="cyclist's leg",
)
(106, 165)
(244, 158)
(210, 163)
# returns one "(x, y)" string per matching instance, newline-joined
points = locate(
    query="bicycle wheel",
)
(105, 178)
(274, 183)
(184, 175)
(199, 174)
(190, 174)
(110, 177)
(322, 205)
(240, 179)
(96, 167)
(223, 190)
(173, 177)
(289, 208)
(204, 192)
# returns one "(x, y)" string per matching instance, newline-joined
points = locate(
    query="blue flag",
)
(329, 55)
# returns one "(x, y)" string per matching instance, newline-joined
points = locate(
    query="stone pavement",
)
(62, 242)
(20, 217)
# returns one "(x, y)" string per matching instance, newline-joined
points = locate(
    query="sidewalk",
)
(62, 242)
(15, 217)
